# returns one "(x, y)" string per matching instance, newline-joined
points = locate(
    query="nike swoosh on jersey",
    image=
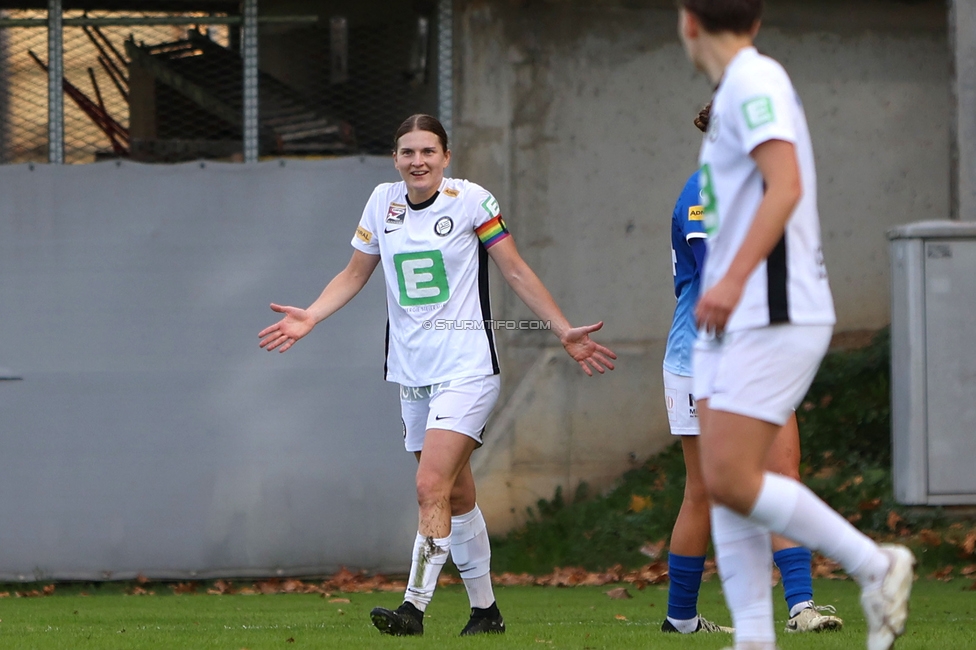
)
(441, 417)
(388, 231)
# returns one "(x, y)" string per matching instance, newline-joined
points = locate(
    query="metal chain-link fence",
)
(332, 78)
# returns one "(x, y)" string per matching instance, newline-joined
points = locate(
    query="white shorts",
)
(461, 405)
(760, 373)
(682, 412)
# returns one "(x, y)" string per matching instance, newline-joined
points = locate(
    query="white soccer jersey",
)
(434, 258)
(755, 103)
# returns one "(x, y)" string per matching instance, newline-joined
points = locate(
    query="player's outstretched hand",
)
(715, 306)
(587, 352)
(286, 332)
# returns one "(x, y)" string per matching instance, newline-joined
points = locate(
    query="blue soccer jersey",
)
(686, 226)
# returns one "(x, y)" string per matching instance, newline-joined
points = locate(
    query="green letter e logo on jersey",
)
(709, 201)
(758, 111)
(491, 207)
(422, 278)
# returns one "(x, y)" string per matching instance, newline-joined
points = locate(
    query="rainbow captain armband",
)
(492, 232)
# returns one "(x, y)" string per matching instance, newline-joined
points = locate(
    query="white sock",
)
(789, 508)
(471, 552)
(429, 556)
(685, 626)
(799, 607)
(744, 556)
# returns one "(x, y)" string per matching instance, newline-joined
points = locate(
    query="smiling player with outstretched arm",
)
(433, 236)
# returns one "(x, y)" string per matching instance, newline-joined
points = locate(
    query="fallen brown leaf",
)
(513, 579)
(652, 549)
(620, 617)
(293, 586)
(869, 504)
(339, 600)
(649, 574)
(141, 591)
(619, 593)
(221, 587)
(660, 482)
(639, 503)
(826, 471)
(944, 574)
(893, 520)
(930, 537)
(822, 567)
(969, 544)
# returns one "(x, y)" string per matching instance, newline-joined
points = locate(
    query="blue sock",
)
(685, 573)
(794, 565)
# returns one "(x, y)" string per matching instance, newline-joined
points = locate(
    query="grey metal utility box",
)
(933, 362)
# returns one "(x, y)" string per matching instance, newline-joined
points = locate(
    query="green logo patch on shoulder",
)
(491, 207)
(758, 111)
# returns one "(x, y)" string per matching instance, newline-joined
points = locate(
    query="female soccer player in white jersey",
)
(689, 538)
(765, 318)
(433, 236)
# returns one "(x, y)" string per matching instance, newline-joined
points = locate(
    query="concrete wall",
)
(962, 36)
(578, 115)
(143, 430)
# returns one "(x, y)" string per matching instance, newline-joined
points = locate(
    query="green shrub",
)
(847, 411)
(846, 459)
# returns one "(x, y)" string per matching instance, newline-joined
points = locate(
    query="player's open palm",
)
(286, 332)
(587, 352)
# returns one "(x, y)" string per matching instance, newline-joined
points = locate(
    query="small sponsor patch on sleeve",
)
(758, 111)
(696, 213)
(451, 192)
(363, 234)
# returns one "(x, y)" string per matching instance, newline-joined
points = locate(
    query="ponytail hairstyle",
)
(702, 119)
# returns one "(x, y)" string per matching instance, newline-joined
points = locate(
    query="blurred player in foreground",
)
(689, 539)
(765, 319)
(433, 236)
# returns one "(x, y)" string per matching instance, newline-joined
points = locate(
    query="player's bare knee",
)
(462, 501)
(432, 489)
(728, 487)
(785, 465)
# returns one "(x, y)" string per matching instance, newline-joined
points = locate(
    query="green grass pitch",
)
(577, 618)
